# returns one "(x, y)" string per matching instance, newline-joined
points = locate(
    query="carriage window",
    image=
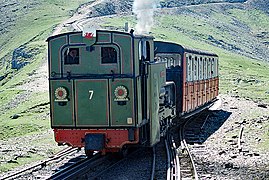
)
(213, 71)
(189, 74)
(177, 61)
(201, 68)
(197, 68)
(217, 65)
(71, 56)
(172, 61)
(166, 62)
(209, 68)
(205, 68)
(195, 72)
(140, 50)
(108, 55)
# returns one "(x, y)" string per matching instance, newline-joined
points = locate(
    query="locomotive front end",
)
(93, 90)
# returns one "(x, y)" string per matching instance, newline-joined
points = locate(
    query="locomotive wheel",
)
(89, 153)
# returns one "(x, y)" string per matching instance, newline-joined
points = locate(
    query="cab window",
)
(144, 50)
(108, 55)
(71, 56)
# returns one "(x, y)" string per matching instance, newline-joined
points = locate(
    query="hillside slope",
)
(25, 25)
(245, 23)
(259, 4)
(237, 30)
(230, 29)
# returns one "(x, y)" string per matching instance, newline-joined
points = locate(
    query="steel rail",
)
(114, 164)
(173, 156)
(185, 146)
(153, 163)
(192, 161)
(79, 168)
(168, 173)
(176, 159)
(173, 167)
(56, 156)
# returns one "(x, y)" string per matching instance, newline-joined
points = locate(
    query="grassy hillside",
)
(32, 22)
(238, 35)
(240, 73)
(26, 24)
(29, 23)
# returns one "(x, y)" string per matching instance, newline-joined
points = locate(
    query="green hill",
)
(238, 31)
(25, 25)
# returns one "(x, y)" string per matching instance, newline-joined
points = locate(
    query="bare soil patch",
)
(223, 158)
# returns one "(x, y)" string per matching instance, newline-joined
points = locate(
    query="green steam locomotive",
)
(111, 90)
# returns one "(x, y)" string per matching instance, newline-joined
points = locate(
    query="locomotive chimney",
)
(132, 32)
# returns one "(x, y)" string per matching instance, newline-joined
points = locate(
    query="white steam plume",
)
(144, 10)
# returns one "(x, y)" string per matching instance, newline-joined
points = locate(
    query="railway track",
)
(97, 167)
(176, 156)
(153, 163)
(186, 142)
(23, 173)
(187, 165)
(181, 164)
(170, 159)
(195, 136)
(135, 165)
(173, 162)
(80, 169)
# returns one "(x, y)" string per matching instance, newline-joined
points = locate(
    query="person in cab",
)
(72, 56)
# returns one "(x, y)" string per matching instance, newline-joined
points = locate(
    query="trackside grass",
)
(28, 25)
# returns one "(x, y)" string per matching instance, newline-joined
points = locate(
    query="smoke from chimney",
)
(144, 10)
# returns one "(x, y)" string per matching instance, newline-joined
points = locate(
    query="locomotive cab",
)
(104, 90)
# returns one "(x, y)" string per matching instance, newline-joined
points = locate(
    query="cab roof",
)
(140, 36)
